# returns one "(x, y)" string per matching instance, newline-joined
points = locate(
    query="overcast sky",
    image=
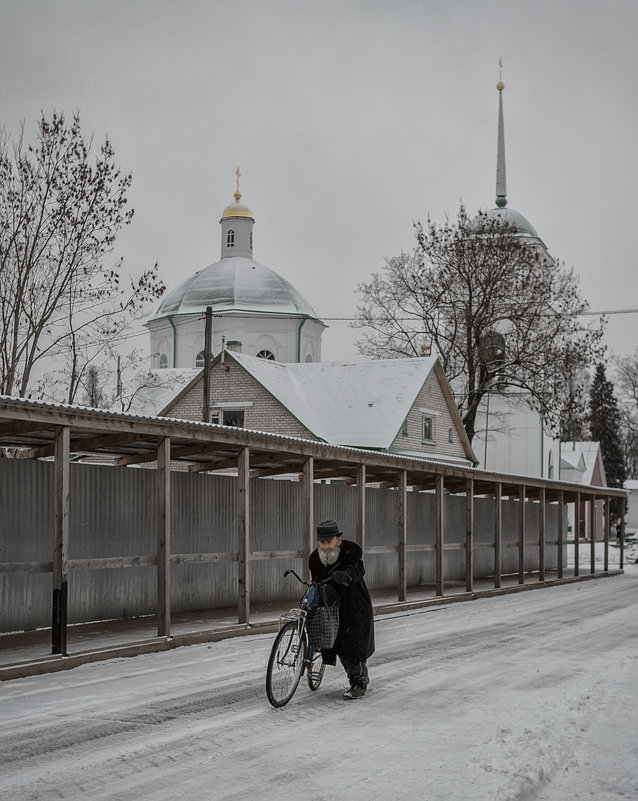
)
(349, 120)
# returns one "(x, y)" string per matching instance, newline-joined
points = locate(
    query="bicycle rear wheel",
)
(285, 664)
(316, 669)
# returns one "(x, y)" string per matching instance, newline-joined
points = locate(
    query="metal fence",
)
(112, 523)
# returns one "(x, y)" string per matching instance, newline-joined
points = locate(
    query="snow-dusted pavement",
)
(526, 696)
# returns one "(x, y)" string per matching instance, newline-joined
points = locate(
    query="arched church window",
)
(550, 465)
(230, 238)
(251, 240)
(266, 354)
(308, 358)
(163, 361)
(199, 359)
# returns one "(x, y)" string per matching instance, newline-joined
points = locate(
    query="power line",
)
(125, 337)
(407, 319)
(611, 311)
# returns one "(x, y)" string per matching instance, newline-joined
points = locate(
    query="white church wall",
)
(517, 441)
(281, 336)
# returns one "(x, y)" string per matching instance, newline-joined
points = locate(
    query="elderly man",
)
(340, 560)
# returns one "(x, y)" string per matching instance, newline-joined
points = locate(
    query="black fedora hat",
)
(327, 530)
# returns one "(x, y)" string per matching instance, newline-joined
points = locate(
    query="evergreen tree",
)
(605, 427)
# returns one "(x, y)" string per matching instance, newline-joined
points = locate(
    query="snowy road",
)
(527, 696)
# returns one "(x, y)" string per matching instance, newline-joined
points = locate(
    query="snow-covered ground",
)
(512, 698)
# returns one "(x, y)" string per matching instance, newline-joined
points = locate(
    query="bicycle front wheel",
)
(285, 664)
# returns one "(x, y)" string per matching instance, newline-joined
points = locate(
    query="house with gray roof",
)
(402, 406)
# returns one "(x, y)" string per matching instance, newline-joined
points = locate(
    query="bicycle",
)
(291, 652)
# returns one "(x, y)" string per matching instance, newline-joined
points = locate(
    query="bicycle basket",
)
(323, 625)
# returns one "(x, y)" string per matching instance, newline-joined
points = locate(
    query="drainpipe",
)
(301, 325)
(170, 320)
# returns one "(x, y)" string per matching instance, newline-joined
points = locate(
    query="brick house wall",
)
(230, 383)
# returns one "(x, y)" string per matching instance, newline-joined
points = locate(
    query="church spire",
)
(501, 184)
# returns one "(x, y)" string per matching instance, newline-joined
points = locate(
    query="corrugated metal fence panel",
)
(26, 530)
(203, 520)
(112, 514)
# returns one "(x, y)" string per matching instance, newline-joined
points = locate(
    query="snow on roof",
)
(235, 283)
(578, 462)
(357, 403)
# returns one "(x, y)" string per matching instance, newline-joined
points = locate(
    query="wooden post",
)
(60, 542)
(469, 535)
(243, 535)
(606, 529)
(361, 506)
(308, 525)
(560, 535)
(402, 534)
(622, 534)
(521, 535)
(576, 534)
(164, 538)
(541, 534)
(497, 535)
(592, 534)
(440, 542)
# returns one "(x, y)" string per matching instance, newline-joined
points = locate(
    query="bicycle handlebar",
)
(307, 583)
(299, 579)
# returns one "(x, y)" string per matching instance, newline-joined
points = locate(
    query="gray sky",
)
(349, 120)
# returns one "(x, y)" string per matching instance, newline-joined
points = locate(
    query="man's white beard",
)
(329, 557)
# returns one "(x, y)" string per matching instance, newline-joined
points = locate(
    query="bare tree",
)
(60, 211)
(627, 385)
(496, 309)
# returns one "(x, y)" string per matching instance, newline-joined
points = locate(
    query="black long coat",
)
(355, 640)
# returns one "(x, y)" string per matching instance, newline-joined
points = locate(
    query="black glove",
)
(342, 578)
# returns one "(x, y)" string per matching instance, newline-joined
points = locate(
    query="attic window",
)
(427, 428)
(228, 417)
(230, 414)
(450, 435)
(404, 428)
(233, 417)
(230, 239)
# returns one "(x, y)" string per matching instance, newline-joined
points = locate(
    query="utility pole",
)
(208, 336)
(119, 388)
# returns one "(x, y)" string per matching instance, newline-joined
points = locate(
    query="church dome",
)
(507, 216)
(237, 210)
(236, 284)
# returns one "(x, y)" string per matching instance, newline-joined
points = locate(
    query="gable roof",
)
(360, 404)
(579, 462)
